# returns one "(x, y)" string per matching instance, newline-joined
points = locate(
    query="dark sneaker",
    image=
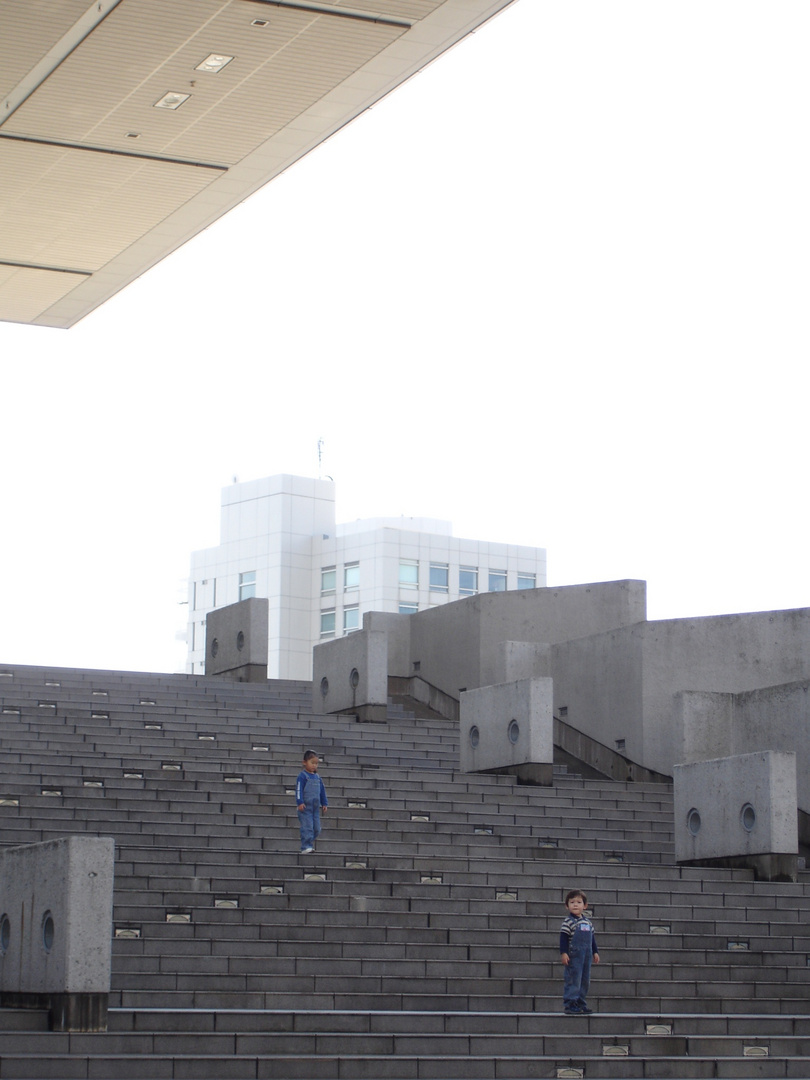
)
(584, 1009)
(573, 1010)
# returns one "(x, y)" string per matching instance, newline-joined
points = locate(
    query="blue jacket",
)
(304, 778)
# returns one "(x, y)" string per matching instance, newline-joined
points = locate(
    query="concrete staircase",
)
(420, 940)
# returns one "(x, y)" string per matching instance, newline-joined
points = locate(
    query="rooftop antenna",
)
(320, 462)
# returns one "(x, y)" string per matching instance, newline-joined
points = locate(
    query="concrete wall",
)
(774, 718)
(461, 646)
(622, 685)
(56, 928)
(726, 653)
(517, 660)
(397, 629)
(598, 689)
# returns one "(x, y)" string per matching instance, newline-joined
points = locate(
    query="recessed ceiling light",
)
(259, 22)
(215, 62)
(171, 101)
(133, 135)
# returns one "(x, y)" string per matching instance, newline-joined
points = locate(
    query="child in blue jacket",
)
(310, 798)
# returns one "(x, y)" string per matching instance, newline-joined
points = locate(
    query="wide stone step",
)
(367, 1066)
(424, 1000)
(746, 1026)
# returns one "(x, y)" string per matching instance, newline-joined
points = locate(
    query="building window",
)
(408, 609)
(439, 577)
(409, 575)
(467, 581)
(497, 581)
(214, 593)
(327, 624)
(328, 580)
(351, 576)
(351, 619)
(247, 585)
(194, 596)
(527, 581)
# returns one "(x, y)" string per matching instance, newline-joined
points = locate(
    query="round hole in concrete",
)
(693, 822)
(214, 647)
(514, 731)
(324, 686)
(354, 678)
(748, 817)
(475, 736)
(240, 641)
(5, 933)
(48, 931)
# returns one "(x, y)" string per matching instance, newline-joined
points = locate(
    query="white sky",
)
(553, 290)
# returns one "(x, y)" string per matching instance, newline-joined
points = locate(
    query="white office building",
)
(279, 540)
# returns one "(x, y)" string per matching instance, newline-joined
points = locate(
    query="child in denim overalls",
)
(310, 798)
(577, 950)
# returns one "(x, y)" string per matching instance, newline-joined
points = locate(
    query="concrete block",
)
(56, 929)
(351, 675)
(509, 728)
(236, 640)
(739, 811)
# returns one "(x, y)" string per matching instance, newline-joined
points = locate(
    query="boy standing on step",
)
(310, 797)
(577, 951)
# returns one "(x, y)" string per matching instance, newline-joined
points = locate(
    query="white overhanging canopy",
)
(128, 126)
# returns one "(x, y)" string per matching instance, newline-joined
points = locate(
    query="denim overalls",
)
(578, 969)
(310, 817)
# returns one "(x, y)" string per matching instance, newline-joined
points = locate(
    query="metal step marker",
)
(658, 1027)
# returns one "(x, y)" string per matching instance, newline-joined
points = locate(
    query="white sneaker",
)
(306, 850)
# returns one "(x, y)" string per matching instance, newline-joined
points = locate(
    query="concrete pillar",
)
(509, 728)
(739, 812)
(236, 641)
(56, 904)
(351, 675)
